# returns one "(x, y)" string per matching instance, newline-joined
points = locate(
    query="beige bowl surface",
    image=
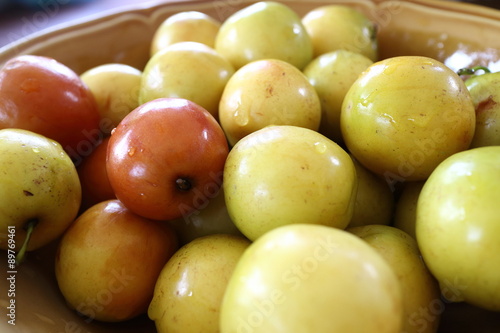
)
(458, 34)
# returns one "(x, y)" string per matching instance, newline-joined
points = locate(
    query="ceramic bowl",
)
(458, 34)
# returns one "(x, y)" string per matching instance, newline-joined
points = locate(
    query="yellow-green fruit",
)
(287, 175)
(484, 90)
(190, 288)
(404, 115)
(189, 70)
(311, 278)
(405, 213)
(374, 199)
(264, 30)
(422, 302)
(116, 90)
(267, 92)
(187, 26)
(332, 74)
(338, 27)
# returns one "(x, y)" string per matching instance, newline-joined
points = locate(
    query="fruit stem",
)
(473, 70)
(29, 227)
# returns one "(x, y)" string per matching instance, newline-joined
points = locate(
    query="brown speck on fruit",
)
(485, 105)
(28, 193)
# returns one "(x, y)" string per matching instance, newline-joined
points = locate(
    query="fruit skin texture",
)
(311, 278)
(458, 229)
(264, 30)
(332, 74)
(108, 261)
(158, 144)
(334, 27)
(404, 115)
(185, 26)
(38, 182)
(420, 290)
(286, 175)
(484, 90)
(189, 70)
(189, 290)
(42, 95)
(267, 92)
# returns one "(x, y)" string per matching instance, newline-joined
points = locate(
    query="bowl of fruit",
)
(244, 166)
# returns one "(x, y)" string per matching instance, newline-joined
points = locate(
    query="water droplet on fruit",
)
(35, 150)
(320, 147)
(241, 117)
(131, 151)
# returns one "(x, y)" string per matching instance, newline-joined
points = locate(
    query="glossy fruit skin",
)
(44, 96)
(264, 30)
(267, 92)
(188, 293)
(484, 90)
(94, 177)
(404, 115)
(159, 143)
(115, 88)
(420, 290)
(38, 182)
(108, 261)
(189, 70)
(338, 27)
(286, 175)
(311, 278)
(405, 213)
(185, 26)
(332, 74)
(457, 226)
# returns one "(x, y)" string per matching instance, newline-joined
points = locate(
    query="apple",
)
(283, 175)
(188, 293)
(267, 92)
(339, 27)
(374, 202)
(189, 70)
(422, 302)
(210, 218)
(108, 261)
(264, 30)
(486, 98)
(42, 95)
(404, 115)
(94, 177)
(405, 213)
(458, 229)
(332, 74)
(185, 26)
(116, 90)
(39, 189)
(165, 158)
(311, 278)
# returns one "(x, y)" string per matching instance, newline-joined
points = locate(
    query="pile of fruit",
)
(271, 177)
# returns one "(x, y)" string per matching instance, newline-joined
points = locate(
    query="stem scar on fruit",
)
(184, 184)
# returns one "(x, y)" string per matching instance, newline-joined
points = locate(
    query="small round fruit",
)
(267, 92)
(116, 91)
(405, 213)
(404, 115)
(420, 290)
(484, 90)
(188, 70)
(458, 229)
(264, 30)
(339, 27)
(165, 158)
(331, 75)
(42, 95)
(287, 175)
(187, 26)
(189, 291)
(311, 278)
(109, 260)
(374, 199)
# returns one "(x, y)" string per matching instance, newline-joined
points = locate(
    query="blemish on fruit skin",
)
(131, 151)
(28, 193)
(485, 105)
